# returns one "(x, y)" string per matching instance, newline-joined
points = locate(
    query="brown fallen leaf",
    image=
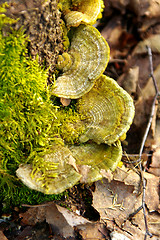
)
(156, 158)
(25, 234)
(155, 171)
(62, 220)
(154, 224)
(116, 235)
(149, 90)
(112, 32)
(57, 222)
(152, 41)
(115, 202)
(152, 192)
(91, 231)
(154, 9)
(129, 80)
(128, 176)
(154, 167)
(2, 236)
(33, 215)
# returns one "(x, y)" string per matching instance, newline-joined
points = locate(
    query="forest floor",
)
(120, 207)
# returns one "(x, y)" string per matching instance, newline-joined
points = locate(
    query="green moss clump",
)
(30, 122)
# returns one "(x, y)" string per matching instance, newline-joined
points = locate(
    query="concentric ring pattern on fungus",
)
(66, 176)
(109, 112)
(83, 64)
(83, 11)
(92, 159)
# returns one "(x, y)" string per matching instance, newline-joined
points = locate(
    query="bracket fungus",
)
(49, 181)
(109, 112)
(83, 64)
(70, 167)
(93, 159)
(83, 12)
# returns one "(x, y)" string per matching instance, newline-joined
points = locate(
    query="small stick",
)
(147, 233)
(144, 140)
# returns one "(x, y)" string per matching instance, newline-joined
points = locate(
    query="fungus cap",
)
(66, 177)
(109, 111)
(96, 158)
(86, 12)
(72, 162)
(83, 64)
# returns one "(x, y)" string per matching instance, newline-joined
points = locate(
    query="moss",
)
(71, 126)
(23, 195)
(3, 18)
(30, 121)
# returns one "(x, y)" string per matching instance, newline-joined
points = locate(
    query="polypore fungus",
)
(83, 11)
(70, 164)
(83, 64)
(49, 181)
(109, 112)
(93, 159)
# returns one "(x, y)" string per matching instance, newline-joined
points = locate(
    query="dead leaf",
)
(149, 90)
(154, 9)
(114, 201)
(117, 236)
(62, 220)
(72, 218)
(84, 170)
(156, 158)
(130, 79)
(154, 167)
(137, 231)
(128, 176)
(25, 234)
(91, 231)
(154, 224)
(33, 215)
(112, 32)
(152, 192)
(107, 174)
(155, 171)
(157, 136)
(72, 162)
(152, 41)
(2, 236)
(58, 222)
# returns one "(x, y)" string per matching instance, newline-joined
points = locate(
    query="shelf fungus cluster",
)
(107, 110)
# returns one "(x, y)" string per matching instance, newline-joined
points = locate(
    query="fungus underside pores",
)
(104, 111)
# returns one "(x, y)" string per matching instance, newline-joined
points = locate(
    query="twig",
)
(147, 233)
(144, 140)
(145, 137)
(151, 69)
(135, 212)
